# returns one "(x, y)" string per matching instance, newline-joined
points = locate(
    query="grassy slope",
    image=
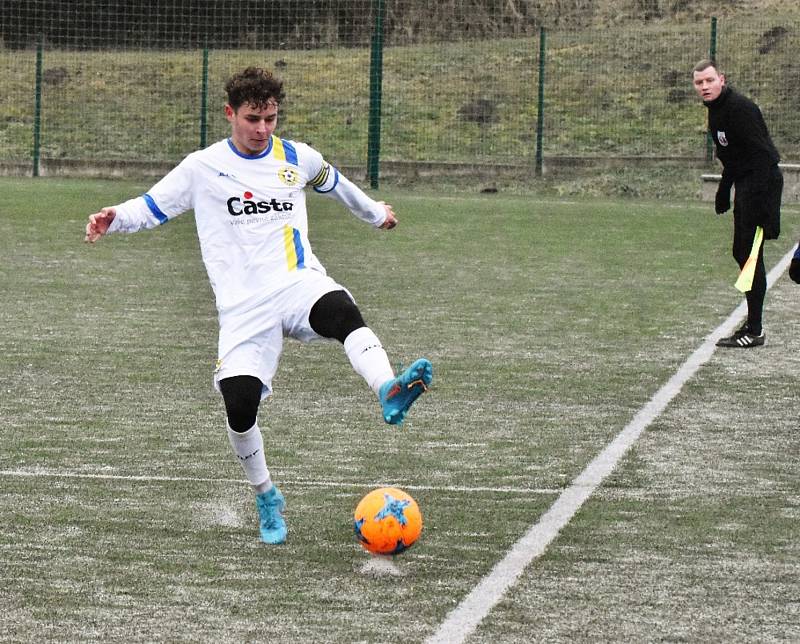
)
(619, 90)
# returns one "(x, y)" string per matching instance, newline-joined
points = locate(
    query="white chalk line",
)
(469, 613)
(289, 482)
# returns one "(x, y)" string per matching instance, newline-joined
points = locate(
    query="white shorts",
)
(251, 341)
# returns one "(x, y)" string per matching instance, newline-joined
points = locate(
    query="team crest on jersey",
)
(288, 176)
(723, 140)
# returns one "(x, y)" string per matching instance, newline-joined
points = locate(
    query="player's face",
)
(251, 128)
(708, 83)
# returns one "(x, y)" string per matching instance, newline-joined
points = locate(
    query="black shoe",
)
(744, 338)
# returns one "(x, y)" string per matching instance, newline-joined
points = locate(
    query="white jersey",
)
(250, 213)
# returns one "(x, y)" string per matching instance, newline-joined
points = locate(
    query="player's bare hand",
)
(98, 224)
(391, 219)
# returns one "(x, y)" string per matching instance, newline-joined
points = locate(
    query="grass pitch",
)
(549, 324)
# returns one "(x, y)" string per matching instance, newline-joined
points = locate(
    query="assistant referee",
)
(750, 165)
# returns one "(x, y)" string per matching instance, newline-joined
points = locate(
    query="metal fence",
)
(105, 83)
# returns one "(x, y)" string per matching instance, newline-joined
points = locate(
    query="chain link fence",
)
(93, 85)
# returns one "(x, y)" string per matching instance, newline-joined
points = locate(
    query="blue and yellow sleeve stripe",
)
(295, 256)
(283, 150)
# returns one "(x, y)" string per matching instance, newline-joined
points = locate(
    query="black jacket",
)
(743, 143)
(749, 161)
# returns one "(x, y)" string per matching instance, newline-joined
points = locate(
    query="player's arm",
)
(128, 217)
(378, 213)
(327, 180)
(165, 200)
(347, 193)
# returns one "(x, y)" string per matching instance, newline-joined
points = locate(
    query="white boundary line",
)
(59, 474)
(466, 617)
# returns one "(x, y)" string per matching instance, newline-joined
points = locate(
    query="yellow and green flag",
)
(745, 281)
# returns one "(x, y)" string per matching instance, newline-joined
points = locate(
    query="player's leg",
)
(794, 267)
(336, 315)
(250, 345)
(242, 395)
(398, 394)
(774, 214)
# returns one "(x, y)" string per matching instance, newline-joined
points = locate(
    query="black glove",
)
(722, 202)
(794, 270)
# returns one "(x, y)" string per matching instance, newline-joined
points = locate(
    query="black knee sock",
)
(755, 298)
(242, 395)
(335, 315)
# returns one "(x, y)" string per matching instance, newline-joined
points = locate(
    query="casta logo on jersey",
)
(245, 205)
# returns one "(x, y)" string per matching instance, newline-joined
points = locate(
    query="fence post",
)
(540, 109)
(375, 89)
(712, 54)
(37, 107)
(204, 101)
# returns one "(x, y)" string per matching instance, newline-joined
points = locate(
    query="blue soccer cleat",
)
(270, 506)
(397, 395)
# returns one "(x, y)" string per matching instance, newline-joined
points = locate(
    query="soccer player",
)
(250, 210)
(750, 164)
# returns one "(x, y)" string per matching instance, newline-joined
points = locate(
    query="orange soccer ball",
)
(387, 521)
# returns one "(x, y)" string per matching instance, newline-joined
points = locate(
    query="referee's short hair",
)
(705, 64)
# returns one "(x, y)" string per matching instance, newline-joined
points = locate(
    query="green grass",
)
(549, 323)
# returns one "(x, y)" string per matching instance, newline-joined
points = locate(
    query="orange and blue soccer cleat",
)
(397, 395)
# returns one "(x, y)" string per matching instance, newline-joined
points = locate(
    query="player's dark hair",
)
(705, 64)
(255, 86)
